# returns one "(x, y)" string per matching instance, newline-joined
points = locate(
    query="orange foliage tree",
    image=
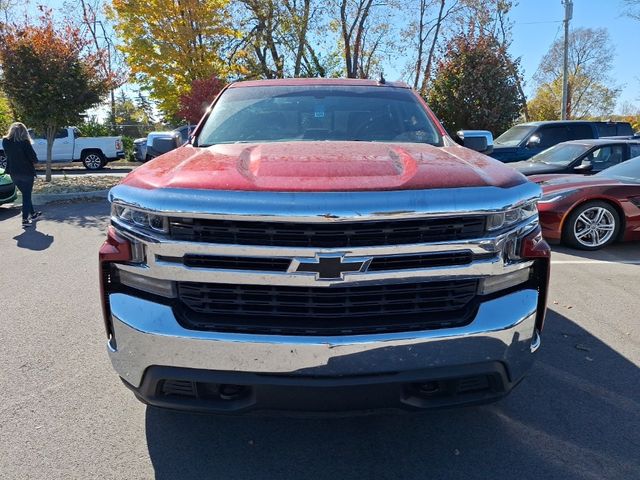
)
(49, 77)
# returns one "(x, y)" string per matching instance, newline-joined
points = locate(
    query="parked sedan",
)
(7, 188)
(580, 156)
(591, 212)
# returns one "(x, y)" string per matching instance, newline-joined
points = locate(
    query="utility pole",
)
(568, 14)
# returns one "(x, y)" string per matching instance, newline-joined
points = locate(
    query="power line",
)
(538, 23)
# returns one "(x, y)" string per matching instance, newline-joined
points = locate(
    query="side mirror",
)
(478, 140)
(584, 167)
(162, 145)
(533, 142)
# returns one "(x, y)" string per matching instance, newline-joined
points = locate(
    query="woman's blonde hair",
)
(18, 132)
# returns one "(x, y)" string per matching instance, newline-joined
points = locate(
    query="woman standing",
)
(21, 160)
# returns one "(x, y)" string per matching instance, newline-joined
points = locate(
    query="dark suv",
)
(523, 141)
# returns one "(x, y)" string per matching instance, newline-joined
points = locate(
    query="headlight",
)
(510, 217)
(140, 218)
(556, 196)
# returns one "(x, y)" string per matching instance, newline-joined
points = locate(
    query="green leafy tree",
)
(474, 85)
(6, 116)
(146, 108)
(48, 78)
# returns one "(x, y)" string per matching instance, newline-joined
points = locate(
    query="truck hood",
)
(322, 166)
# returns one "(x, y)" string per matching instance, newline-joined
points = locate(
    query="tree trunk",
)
(418, 70)
(51, 136)
(427, 69)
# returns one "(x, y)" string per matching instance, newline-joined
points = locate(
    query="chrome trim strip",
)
(180, 273)
(147, 333)
(324, 206)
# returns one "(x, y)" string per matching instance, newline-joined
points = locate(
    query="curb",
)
(41, 199)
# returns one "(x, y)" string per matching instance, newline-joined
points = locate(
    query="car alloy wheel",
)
(93, 161)
(594, 226)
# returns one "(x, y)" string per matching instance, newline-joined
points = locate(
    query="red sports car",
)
(591, 212)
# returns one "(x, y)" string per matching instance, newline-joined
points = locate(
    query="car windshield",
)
(561, 154)
(515, 135)
(628, 171)
(318, 112)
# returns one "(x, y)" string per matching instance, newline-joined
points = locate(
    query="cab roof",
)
(290, 82)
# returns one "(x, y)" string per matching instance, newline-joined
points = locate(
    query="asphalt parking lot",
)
(65, 414)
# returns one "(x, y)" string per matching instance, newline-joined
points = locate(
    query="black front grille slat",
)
(329, 311)
(327, 235)
(397, 262)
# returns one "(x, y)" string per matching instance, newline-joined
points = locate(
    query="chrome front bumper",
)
(147, 334)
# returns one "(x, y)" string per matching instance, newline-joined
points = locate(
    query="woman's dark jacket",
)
(21, 158)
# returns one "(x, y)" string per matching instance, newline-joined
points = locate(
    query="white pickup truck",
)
(69, 146)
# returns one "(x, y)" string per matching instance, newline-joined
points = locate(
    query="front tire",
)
(93, 160)
(592, 226)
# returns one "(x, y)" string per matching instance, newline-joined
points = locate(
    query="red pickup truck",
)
(323, 245)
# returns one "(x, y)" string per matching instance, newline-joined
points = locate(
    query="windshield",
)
(628, 171)
(515, 135)
(561, 154)
(320, 112)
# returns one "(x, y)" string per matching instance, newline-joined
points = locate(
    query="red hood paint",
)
(322, 166)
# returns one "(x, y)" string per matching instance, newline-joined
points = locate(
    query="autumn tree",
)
(591, 91)
(424, 34)
(474, 87)
(194, 104)
(48, 77)
(169, 44)
(364, 27)
(102, 39)
(279, 38)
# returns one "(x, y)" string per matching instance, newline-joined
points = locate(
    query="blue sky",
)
(531, 39)
(537, 23)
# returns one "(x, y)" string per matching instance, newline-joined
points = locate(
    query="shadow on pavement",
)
(93, 213)
(32, 239)
(9, 212)
(618, 252)
(575, 416)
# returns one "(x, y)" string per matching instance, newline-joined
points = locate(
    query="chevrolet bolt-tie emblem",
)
(330, 266)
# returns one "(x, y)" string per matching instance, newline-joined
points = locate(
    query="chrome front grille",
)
(250, 261)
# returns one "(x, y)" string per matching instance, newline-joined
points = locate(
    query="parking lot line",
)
(595, 262)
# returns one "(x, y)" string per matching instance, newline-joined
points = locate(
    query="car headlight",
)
(556, 196)
(511, 217)
(140, 218)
